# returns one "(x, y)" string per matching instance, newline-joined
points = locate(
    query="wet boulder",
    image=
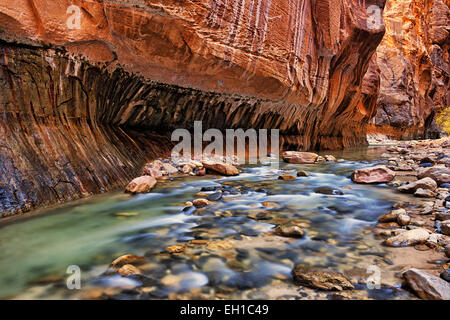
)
(225, 169)
(141, 184)
(299, 157)
(427, 286)
(377, 174)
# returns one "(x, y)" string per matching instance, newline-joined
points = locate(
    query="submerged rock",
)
(127, 259)
(200, 203)
(141, 185)
(128, 270)
(409, 238)
(176, 248)
(220, 245)
(299, 157)
(302, 173)
(328, 191)
(289, 231)
(318, 279)
(427, 286)
(216, 196)
(377, 174)
(286, 177)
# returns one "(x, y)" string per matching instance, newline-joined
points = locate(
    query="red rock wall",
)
(159, 65)
(414, 62)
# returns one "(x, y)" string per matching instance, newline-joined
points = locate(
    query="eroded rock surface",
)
(71, 95)
(414, 63)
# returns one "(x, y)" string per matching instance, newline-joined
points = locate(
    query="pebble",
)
(220, 245)
(176, 249)
(200, 203)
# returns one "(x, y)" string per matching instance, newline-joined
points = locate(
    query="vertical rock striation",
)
(414, 62)
(80, 104)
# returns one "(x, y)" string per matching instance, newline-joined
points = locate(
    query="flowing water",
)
(37, 250)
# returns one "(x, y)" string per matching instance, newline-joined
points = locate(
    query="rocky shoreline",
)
(417, 167)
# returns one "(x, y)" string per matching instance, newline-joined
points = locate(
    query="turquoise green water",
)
(90, 233)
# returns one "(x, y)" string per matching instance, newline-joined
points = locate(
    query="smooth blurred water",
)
(91, 233)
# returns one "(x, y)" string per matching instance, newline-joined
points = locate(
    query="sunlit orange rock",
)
(414, 62)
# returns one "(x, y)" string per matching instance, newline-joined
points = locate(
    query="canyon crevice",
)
(83, 108)
(414, 62)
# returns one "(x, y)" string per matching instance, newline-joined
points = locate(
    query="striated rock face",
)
(80, 101)
(414, 62)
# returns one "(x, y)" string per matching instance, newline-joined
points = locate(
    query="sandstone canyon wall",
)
(414, 62)
(82, 108)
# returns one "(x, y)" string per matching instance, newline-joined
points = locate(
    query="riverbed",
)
(38, 249)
